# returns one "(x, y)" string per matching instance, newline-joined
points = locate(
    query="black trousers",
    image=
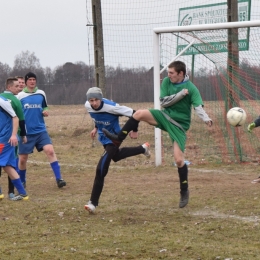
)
(111, 153)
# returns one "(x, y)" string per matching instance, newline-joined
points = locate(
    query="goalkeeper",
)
(250, 127)
(177, 96)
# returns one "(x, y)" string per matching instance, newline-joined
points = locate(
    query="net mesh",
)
(224, 65)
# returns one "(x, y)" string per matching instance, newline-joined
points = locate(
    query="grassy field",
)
(138, 216)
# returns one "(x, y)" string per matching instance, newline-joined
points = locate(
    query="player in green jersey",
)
(177, 95)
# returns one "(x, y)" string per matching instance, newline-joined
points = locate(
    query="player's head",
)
(94, 92)
(21, 82)
(30, 79)
(176, 71)
(94, 97)
(12, 85)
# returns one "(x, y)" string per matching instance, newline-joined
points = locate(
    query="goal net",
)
(223, 61)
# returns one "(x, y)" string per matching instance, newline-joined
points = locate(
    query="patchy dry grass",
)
(138, 216)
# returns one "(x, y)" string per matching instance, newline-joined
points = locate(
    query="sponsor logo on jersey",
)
(27, 106)
(102, 122)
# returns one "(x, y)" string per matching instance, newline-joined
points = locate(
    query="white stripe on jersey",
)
(111, 108)
(6, 105)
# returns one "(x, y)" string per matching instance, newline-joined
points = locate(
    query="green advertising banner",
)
(215, 40)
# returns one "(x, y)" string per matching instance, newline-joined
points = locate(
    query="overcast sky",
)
(55, 30)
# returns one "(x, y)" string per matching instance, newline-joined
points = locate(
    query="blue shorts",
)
(7, 155)
(37, 140)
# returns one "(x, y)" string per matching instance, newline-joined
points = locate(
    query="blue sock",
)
(16, 166)
(22, 174)
(19, 186)
(56, 170)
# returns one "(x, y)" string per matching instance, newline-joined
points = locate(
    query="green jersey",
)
(181, 111)
(16, 105)
(15, 102)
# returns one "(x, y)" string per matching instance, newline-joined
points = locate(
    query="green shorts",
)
(175, 133)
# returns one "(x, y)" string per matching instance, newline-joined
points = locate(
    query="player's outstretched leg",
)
(130, 125)
(113, 137)
(146, 147)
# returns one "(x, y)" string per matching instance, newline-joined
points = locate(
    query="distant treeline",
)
(68, 83)
(71, 82)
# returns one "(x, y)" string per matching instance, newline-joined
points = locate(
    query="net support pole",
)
(156, 75)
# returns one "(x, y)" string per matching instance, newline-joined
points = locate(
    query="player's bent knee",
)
(179, 163)
(141, 114)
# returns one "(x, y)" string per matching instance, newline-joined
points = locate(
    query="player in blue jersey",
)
(105, 114)
(35, 108)
(8, 140)
(13, 88)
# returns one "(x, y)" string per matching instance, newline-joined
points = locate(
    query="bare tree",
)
(5, 71)
(26, 60)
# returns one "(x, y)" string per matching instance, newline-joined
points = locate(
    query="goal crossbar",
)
(201, 27)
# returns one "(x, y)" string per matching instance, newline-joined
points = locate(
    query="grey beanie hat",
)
(94, 92)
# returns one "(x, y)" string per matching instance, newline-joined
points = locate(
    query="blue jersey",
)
(107, 116)
(33, 105)
(6, 123)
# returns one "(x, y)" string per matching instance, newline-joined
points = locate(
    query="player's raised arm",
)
(203, 115)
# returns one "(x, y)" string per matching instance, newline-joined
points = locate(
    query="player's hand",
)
(13, 140)
(93, 133)
(209, 123)
(186, 91)
(133, 135)
(45, 113)
(24, 139)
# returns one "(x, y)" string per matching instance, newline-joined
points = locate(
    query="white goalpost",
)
(193, 37)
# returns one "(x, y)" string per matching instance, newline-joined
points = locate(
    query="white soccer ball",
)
(236, 116)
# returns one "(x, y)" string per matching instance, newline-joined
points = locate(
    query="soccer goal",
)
(223, 61)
